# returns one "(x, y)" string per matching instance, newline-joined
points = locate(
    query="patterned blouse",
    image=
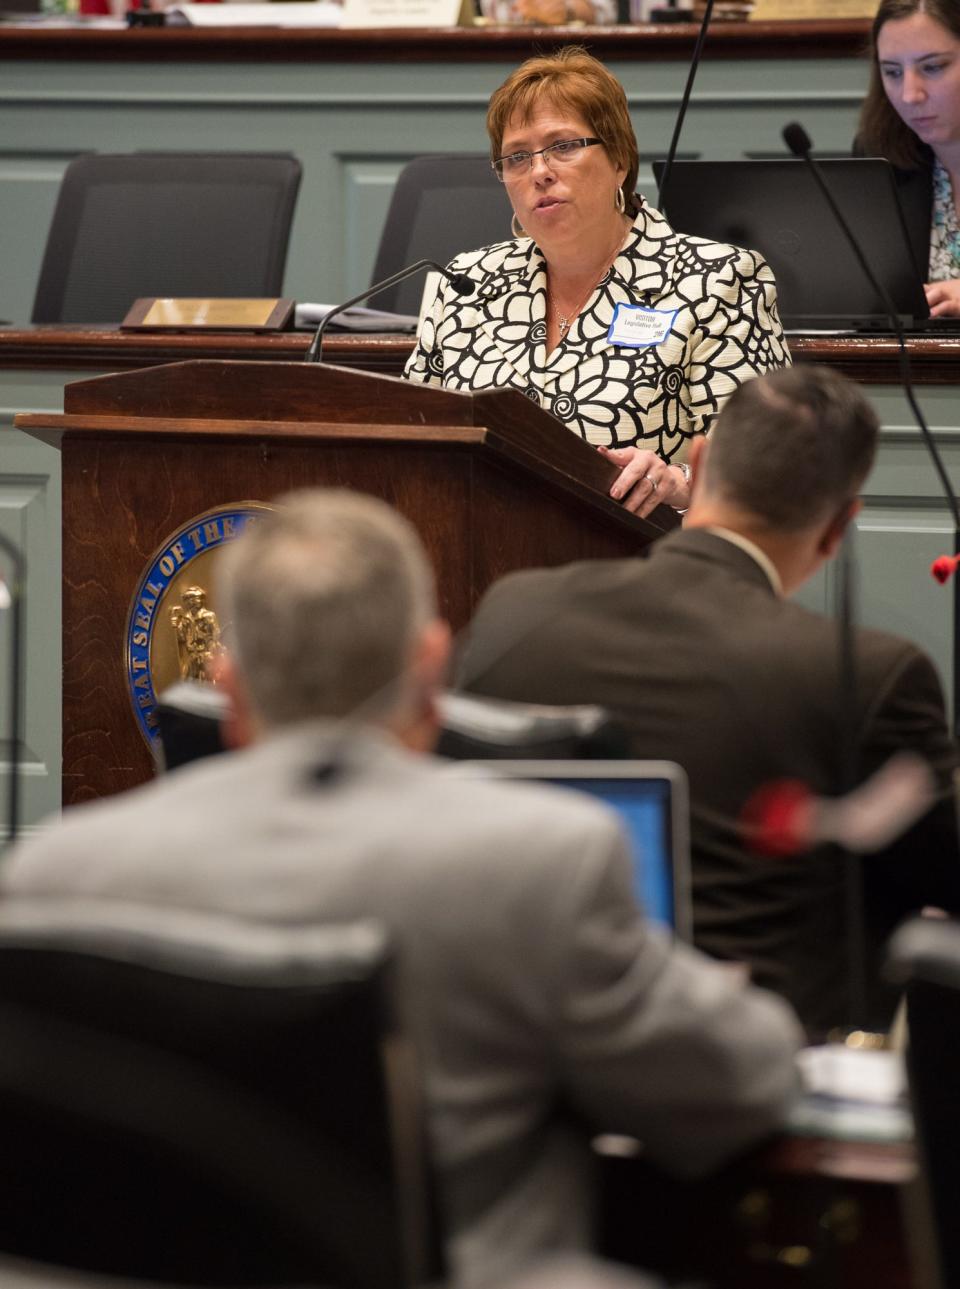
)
(944, 231)
(702, 319)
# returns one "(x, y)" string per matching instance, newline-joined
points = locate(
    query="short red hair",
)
(574, 81)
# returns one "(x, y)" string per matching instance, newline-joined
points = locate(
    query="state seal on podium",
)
(174, 631)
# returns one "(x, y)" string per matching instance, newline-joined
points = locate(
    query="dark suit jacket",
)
(708, 667)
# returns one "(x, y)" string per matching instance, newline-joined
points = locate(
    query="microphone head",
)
(943, 567)
(777, 820)
(461, 283)
(797, 139)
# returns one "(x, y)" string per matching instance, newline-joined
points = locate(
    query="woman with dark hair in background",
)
(911, 116)
(631, 334)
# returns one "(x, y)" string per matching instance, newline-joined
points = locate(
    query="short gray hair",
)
(324, 597)
(792, 447)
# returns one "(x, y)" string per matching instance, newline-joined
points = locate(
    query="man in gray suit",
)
(708, 664)
(530, 979)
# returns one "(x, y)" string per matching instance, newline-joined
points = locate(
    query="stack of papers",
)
(284, 13)
(853, 1094)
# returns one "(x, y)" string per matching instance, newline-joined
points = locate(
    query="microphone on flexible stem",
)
(785, 818)
(462, 284)
(12, 597)
(684, 102)
(798, 141)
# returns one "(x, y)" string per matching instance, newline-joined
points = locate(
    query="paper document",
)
(286, 13)
(852, 1094)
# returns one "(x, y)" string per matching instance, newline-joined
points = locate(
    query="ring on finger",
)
(653, 483)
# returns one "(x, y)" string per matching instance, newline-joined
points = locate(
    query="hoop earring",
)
(620, 202)
(516, 227)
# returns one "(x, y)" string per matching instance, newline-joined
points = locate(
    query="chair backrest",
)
(165, 224)
(441, 205)
(476, 728)
(191, 716)
(23, 1273)
(193, 1099)
(924, 957)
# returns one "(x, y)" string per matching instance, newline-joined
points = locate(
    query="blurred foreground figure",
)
(543, 1003)
(578, 1272)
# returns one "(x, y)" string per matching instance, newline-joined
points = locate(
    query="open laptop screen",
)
(776, 208)
(651, 799)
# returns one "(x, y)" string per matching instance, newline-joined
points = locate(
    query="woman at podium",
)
(631, 334)
(911, 116)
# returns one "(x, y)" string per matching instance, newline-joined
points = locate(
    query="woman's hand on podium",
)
(646, 481)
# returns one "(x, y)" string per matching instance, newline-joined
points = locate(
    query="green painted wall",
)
(353, 127)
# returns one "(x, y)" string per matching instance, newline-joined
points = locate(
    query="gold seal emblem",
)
(173, 629)
(198, 635)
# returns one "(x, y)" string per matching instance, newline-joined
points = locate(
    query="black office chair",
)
(22, 1273)
(441, 205)
(924, 957)
(190, 716)
(165, 224)
(190, 719)
(475, 728)
(197, 1100)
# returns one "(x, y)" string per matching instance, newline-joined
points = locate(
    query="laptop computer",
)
(652, 801)
(775, 207)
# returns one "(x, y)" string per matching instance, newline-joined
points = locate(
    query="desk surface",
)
(865, 358)
(109, 349)
(798, 1212)
(728, 40)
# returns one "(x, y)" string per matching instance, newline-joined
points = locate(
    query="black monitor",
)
(776, 208)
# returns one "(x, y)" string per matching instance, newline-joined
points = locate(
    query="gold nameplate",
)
(154, 314)
(804, 10)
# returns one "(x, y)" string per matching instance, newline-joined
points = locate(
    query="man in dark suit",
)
(700, 653)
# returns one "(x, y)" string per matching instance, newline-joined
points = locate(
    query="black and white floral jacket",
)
(724, 329)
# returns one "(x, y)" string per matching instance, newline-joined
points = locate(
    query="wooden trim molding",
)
(874, 360)
(109, 349)
(868, 359)
(731, 40)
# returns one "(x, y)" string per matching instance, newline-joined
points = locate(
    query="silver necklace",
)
(563, 321)
(566, 319)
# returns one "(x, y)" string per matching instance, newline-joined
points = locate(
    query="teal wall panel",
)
(30, 517)
(353, 126)
(896, 546)
(28, 194)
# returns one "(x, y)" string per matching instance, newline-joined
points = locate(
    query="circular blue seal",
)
(173, 630)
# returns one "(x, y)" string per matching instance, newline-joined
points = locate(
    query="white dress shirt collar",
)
(756, 554)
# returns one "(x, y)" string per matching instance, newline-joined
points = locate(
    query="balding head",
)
(327, 598)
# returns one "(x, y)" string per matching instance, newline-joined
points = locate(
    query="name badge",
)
(637, 327)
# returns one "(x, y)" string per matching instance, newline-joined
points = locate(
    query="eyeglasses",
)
(516, 164)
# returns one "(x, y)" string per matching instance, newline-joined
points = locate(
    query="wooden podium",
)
(491, 481)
